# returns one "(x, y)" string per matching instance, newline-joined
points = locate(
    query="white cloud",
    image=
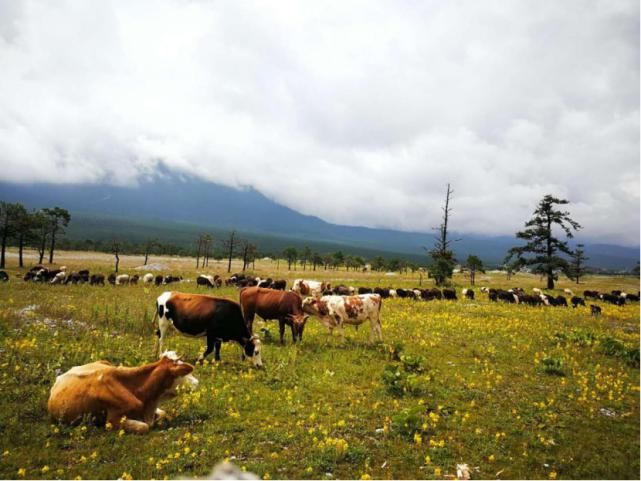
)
(358, 112)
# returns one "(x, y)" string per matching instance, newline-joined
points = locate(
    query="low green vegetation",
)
(512, 391)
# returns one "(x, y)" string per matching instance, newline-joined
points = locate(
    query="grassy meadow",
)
(510, 390)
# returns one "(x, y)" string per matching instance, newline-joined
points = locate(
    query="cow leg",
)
(281, 330)
(161, 333)
(217, 345)
(212, 343)
(128, 425)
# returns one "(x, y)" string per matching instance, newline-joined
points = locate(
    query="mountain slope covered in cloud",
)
(172, 201)
(356, 112)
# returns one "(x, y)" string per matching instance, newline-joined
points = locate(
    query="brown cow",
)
(126, 397)
(286, 306)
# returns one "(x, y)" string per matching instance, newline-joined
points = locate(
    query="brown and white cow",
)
(214, 318)
(285, 306)
(335, 311)
(306, 287)
(126, 397)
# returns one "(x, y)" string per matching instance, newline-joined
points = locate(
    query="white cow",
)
(122, 279)
(148, 278)
(306, 287)
(335, 311)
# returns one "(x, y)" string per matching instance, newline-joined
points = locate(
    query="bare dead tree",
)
(443, 260)
(115, 248)
(208, 239)
(229, 245)
(149, 245)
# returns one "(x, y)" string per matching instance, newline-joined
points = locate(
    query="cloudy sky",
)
(357, 112)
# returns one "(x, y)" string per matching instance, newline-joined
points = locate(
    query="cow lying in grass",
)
(125, 397)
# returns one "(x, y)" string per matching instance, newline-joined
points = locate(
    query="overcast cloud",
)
(357, 112)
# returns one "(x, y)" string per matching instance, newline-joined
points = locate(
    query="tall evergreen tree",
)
(542, 249)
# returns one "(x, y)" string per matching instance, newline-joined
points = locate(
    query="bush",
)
(553, 366)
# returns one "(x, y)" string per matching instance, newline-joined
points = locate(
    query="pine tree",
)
(542, 247)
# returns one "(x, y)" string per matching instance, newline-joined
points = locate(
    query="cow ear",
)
(181, 369)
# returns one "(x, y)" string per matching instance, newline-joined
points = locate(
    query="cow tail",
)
(153, 320)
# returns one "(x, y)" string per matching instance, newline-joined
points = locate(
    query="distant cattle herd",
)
(219, 320)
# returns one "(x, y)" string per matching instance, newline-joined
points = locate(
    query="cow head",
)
(298, 323)
(179, 373)
(252, 350)
(315, 307)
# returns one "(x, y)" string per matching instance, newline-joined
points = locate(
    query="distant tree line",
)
(39, 229)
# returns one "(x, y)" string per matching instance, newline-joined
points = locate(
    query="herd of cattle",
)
(100, 389)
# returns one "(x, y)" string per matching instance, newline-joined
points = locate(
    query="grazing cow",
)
(537, 291)
(279, 285)
(247, 282)
(306, 287)
(148, 278)
(484, 290)
(530, 300)
(59, 278)
(133, 280)
(503, 295)
(158, 280)
(468, 294)
(402, 293)
(613, 299)
(125, 397)
(616, 292)
(336, 311)
(343, 290)
(122, 280)
(97, 279)
(285, 306)
(205, 280)
(595, 310)
(517, 290)
(111, 279)
(560, 301)
(632, 298)
(384, 293)
(577, 301)
(591, 294)
(170, 279)
(435, 293)
(449, 293)
(569, 292)
(4, 277)
(365, 290)
(265, 282)
(218, 320)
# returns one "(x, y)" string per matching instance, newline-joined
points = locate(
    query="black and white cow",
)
(216, 319)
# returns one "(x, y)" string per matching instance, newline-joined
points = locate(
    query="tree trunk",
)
(549, 251)
(53, 244)
(20, 249)
(146, 258)
(43, 243)
(4, 248)
(117, 261)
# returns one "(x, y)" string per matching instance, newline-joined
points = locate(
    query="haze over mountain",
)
(170, 200)
(356, 112)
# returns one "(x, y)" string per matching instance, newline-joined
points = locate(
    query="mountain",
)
(186, 204)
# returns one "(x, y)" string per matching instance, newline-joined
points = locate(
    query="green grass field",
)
(512, 391)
